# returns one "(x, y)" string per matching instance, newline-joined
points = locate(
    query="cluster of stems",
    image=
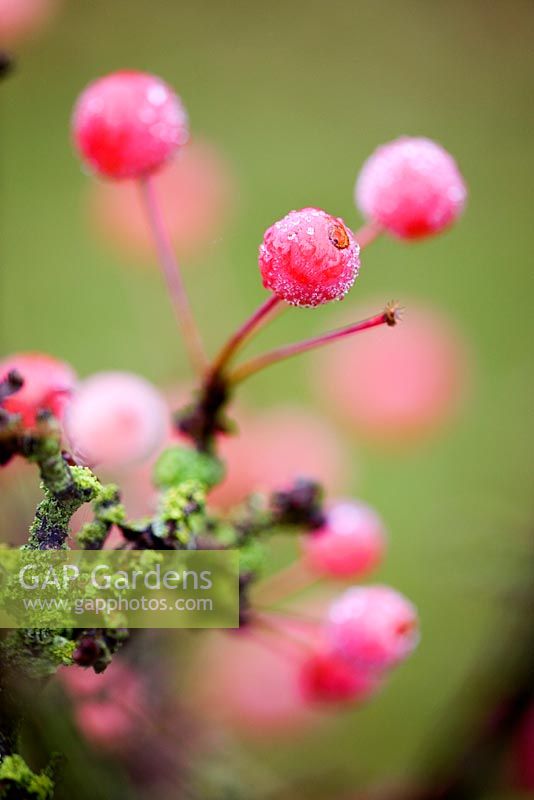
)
(205, 418)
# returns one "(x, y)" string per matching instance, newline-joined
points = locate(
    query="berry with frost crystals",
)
(329, 678)
(373, 627)
(116, 418)
(128, 124)
(349, 544)
(412, 187)
(47, 385)
(308, 258)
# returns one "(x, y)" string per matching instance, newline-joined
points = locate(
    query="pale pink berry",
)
(21, 19)
(138, 492)
(107, 706)
(397, 387)
(293, 442)
(309, 257)
(115, 418)
(327, 677)
(411, 187)
(349, 544)
(196, 191)
(118, 678)
(127, 124)
(373, 627)
(105, 724)
(48, 384)
(250, 682)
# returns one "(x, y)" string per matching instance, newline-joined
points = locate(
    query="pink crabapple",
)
(274, 447)
(128, 124)
(105, 724)
(250, 685)
(196, 191)
(326, 678)
(21, 19)
(309, 257)
(48, 384)
(373, 627)
(349, 544)
(396, 389)
(411, 187)
(115, 418)
(107, 707)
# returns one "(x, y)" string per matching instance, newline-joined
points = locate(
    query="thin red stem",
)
(173, 276)
(367, 234)
(269, 625)
(285, 583)
(244, 333)
(254, 365)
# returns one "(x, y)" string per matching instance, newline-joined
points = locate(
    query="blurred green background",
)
(297, 93)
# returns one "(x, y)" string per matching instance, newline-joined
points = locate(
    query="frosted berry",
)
(128, 124)
(412, 187)
(47, 386)
(373, 627)
(115, 418)
(327, 677)
(308, 258)
(349, 544)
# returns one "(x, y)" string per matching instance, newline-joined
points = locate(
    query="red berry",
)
(349, 544)
(309, 257)
(329, 678)
(128, 124)
(47, 386)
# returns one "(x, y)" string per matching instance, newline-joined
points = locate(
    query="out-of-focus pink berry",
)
(373, 627)
(138, 493)
(196, 191)
(119, 676)
(115, 418)
(411, 187)
(21, 19)
(309, 257)
(348, 545)
(105, 724)
(276, 446)
(48, 384)
(327, 677)
(127, 124)
(250, 681)
(397, 386)
(107, 707)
